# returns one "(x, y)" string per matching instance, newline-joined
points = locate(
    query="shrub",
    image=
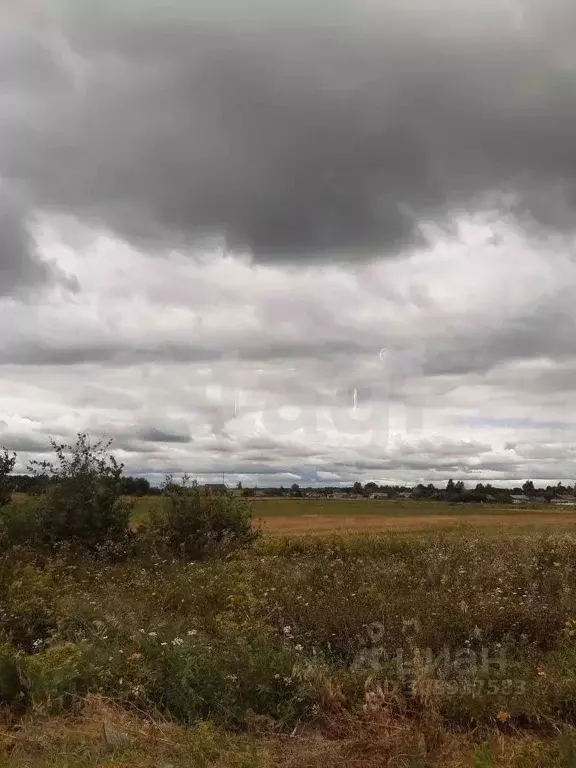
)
(7, 462)
(27, 605)
(57, 677)
(10, 684)
(20, 524)
(193, 522)
(82, 503)
(224, 678)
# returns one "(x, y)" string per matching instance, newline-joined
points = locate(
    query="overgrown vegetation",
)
(79, 502)
(325, 636)
(193, 522)
(7, 462)
(195, 643)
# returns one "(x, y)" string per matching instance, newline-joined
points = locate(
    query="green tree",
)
(528, 488)
(136, 486)
(83, 500)
(420, 491)
(194, 523)
(455, 491)
(7, 462)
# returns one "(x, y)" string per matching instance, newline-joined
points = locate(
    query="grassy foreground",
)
(410, 651)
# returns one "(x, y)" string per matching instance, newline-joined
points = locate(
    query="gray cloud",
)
(292, 130)
(118, 352)
(159, 435)
(23, 443)
(19, 263)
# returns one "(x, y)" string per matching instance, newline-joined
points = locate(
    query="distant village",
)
(454, 492)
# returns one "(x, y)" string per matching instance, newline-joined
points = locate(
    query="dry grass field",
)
(317, 524)
(291, 517)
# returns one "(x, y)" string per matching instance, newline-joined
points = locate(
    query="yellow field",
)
(286, 525)
(290, 517)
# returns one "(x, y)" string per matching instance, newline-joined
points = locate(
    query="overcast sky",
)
(310, 242)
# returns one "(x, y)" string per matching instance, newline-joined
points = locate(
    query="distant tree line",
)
(131, 486)
(453, 492)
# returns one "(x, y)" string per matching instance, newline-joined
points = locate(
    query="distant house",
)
(378, 495)
(521, 498)
(564, 501)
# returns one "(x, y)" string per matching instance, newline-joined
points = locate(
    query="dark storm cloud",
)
(292, 130)
(18, 262)
(159, 435)
(121, 353)
(22, 443)
(544, 329)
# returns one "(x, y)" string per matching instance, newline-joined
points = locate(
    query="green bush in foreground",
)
(20, 525)
(7, 462)
(193, 522)
(188, 678)
(10, 685)
(82, 502)
(81, 507)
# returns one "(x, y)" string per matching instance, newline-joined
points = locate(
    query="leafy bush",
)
(193, 522)
(10, 684)
(27, 597)
(58, 676)
(224, 678)
(20, 524)
(7, 462)
(82, 503)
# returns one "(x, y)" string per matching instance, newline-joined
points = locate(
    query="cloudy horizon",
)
(311, 243)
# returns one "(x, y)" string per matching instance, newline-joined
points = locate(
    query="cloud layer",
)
(457, 361)
(288, 130)
(291, 241)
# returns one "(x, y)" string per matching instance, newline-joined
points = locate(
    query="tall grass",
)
(364, 640)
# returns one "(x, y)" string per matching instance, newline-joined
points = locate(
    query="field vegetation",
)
(194, 641)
